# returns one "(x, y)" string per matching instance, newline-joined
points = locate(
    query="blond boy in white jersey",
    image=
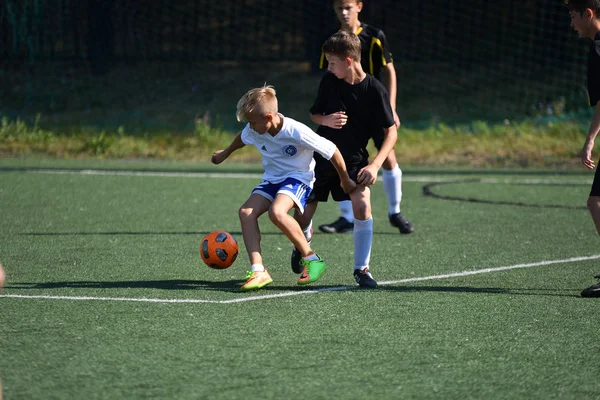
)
(287, 148)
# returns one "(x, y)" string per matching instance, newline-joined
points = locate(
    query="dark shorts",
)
(595, 191)
(327, 181)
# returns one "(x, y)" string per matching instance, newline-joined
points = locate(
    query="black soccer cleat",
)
(297, 266)
(592, 291)
(342, 225)
(364, 278)
(399, 221)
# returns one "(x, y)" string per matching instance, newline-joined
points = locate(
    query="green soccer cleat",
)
(312, 270)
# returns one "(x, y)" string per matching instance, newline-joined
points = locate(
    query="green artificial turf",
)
(515, 333)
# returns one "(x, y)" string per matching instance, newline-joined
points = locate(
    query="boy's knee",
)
(593, 203)
(362, 210)
(276, 214)
(244, 213)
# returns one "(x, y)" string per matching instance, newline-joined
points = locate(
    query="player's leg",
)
(292, 195)
(304, 259)
(304, 218)
(363, 236)
(325, 178)
(344, 223)
(254, 207)
(593, 205)
(305, 221)
(312, 265)
(392, 186)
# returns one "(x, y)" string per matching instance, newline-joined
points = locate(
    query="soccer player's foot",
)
(342, 225)
(399, 221)
(256, 280)
(364, 278)
(592, 291)
(313, 269)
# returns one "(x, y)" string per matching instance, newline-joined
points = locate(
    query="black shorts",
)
(595, 191)
(328, 181)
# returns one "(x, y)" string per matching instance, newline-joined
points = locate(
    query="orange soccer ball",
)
(219, 249)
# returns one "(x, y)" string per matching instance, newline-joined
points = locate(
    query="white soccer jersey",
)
(289, 154)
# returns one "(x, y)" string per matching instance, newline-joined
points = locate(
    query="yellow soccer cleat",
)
(256, 280)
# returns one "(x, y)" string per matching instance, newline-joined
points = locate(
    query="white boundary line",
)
(303, 292)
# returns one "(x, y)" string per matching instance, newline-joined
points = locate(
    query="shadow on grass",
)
(233, 286)
(224, 286)
(176, 284)
(561, 292)
(428, 191)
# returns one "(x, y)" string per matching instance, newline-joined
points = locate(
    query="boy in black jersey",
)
(585, 19)
(376, 60)
(351, 108)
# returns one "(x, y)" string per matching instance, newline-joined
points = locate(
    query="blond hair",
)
(261, 100)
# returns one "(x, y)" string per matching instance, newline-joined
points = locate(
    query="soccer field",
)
(107, 298)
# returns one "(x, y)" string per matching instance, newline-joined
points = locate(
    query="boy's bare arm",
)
(340, 166)
(221, 155)
(586, 152)
(390, 82)
(368, 175)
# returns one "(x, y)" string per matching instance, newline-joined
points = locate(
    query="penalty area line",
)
(305, 292)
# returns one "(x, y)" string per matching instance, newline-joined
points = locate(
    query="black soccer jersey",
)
(367, 106)
(375, 51)
(593, 72)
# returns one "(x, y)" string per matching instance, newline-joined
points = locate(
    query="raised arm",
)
(221, 155)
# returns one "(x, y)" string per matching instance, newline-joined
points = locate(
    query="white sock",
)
(308, 232)
(311, 257)
(392, 185)
(363, 239)
(257, 268)
(346, 210)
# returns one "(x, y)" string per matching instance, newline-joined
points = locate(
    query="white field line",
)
(425, 178)
(304, 292)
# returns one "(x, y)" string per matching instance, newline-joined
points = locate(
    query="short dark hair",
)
(343, 44)
(581, 5)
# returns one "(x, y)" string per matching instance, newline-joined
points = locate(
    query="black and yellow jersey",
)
(375, 51)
